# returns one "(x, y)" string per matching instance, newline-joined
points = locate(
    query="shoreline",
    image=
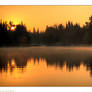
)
(26, 46)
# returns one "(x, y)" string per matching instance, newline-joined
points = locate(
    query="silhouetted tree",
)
(3, 34)
(71, 34)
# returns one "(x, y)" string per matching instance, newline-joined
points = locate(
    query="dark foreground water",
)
(46, 66)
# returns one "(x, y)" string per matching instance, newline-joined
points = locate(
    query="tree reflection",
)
(19, 59)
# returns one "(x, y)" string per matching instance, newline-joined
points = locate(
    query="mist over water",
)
(46, 66)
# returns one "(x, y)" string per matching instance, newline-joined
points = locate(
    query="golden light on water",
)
(38, 73)
(13, 64)
(50, 66)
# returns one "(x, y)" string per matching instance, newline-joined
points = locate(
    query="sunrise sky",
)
(40, 16)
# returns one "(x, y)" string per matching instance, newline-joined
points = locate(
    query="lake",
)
(46, 66)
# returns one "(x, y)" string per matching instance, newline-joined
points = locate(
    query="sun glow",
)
(12, 28)
(13, 64)
(41, 16)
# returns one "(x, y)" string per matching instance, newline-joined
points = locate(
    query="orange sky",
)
(40, 16)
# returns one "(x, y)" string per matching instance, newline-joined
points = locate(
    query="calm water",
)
(46, 66)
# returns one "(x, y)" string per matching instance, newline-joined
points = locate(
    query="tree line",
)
(71, 34)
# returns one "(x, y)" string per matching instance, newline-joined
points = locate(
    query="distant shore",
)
(35, 45)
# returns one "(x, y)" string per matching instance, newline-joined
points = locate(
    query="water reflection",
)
(12, 58)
